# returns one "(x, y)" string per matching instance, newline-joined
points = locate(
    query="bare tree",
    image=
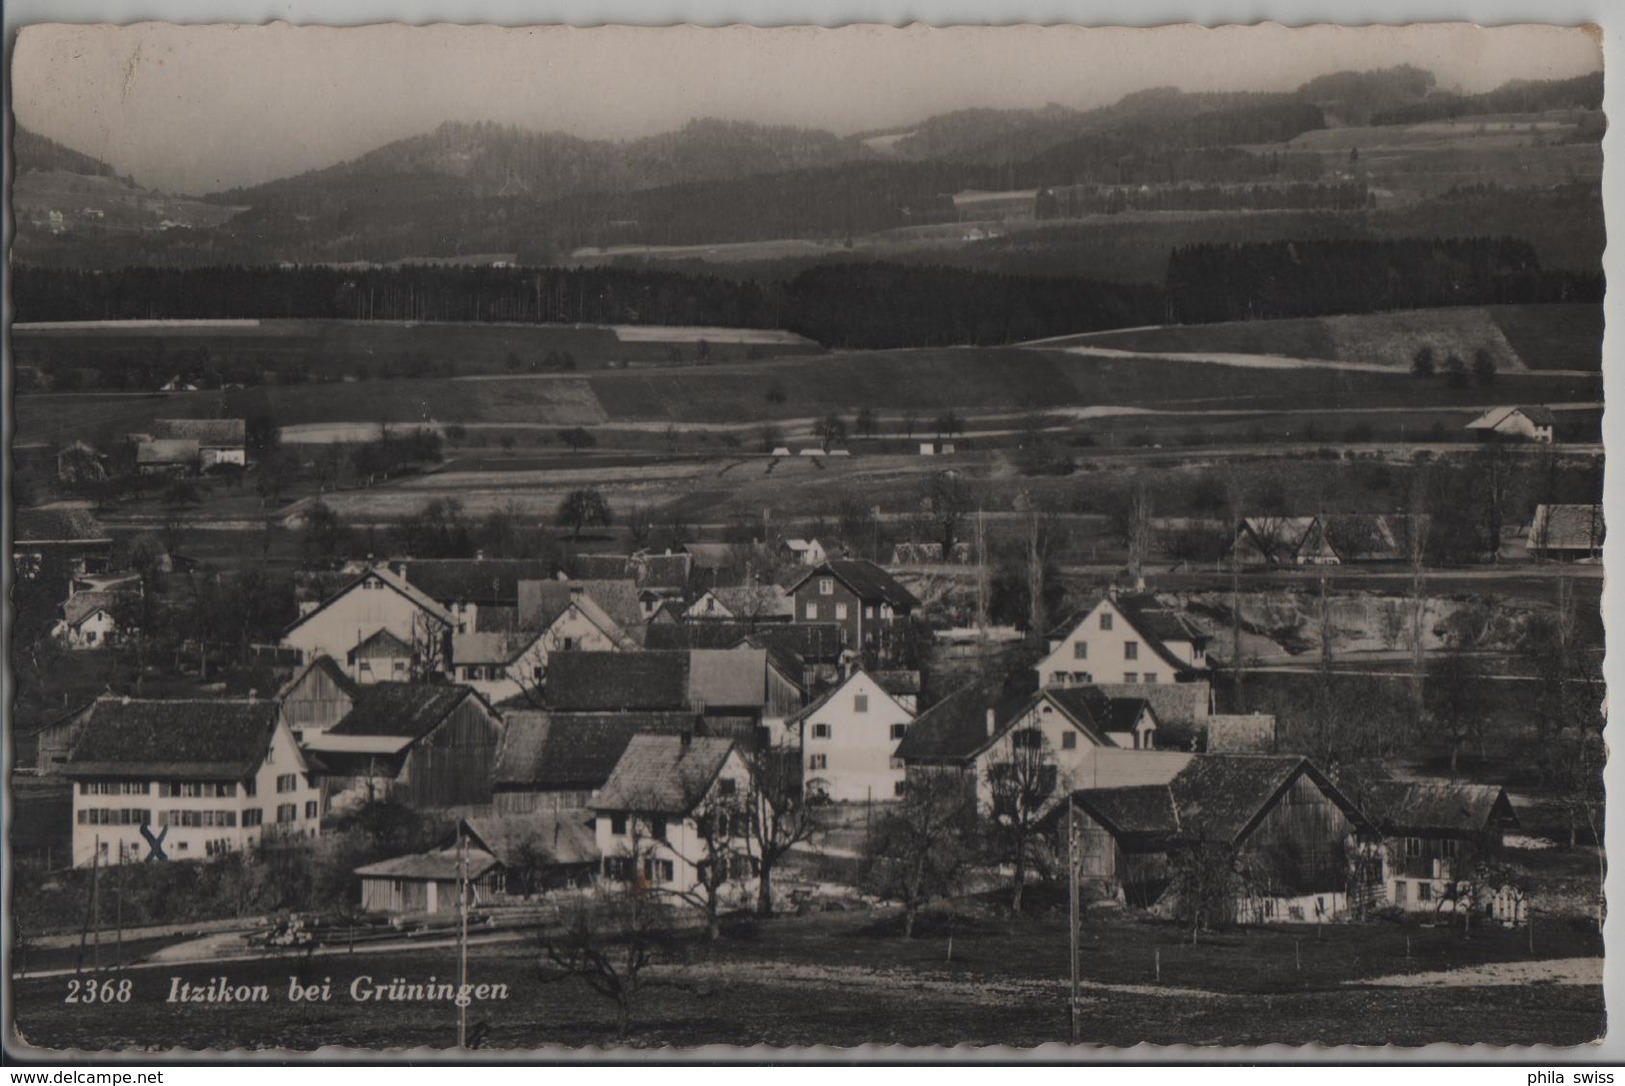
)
(949, 501)
(922, 851)
(721, 823)
(611, 940)
(429, 637)
(1140, 534)
(780, 816)
(1021, 781)
(1206, 877)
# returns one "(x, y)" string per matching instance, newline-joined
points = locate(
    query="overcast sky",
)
(197, 109)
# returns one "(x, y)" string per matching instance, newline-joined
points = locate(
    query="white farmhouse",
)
(645, 815)
(503, 665)
(848, 740)
(375, 599)
(1529, 423)
(186, 779)
(87, 621)
(1129, 639)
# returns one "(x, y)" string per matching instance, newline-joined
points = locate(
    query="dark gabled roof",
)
(610, 681)
(475, 580)
(552, 751)
(441, 865)
(83, 605)
(1154, 620)
(1424, 807)
(379, 645)
(866, 580)
(405, 709)
(209, 739)
(956, 727)
(327, 666)
(1220, 795)
(727, 678)
(696, 635)
(663, 774)
(897, 682)
(658, 571)
(213, 432)
(390, 580)
(1216, 797)
(1093, 707)
(554, 837)
(489, 648)
(69, 525)
(1182, 706)
(813, 642)
(1136, 815)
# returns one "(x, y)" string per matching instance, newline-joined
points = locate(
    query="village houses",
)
(374, 599)
(1526, 423)
(855, 594)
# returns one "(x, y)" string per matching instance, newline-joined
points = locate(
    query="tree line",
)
(1266, 280)
(1074, 201)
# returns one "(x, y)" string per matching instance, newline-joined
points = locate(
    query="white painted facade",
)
(368, 605)
(1106, 648)
(93, 631)
(1079, 759)
(108, 812)
(671, 848)
(849, 742)
(210, 455)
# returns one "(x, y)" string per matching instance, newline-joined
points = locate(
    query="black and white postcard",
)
(676, 537)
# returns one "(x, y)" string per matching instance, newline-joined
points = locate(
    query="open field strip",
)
(1585, 971)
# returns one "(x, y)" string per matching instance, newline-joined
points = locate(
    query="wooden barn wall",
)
(316, 704)
(453, 765)
(521, 802)
(783, 696)
(1301, 841)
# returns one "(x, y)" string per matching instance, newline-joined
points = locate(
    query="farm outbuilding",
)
(427, 882)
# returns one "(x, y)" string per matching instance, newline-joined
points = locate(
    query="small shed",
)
(427, 882)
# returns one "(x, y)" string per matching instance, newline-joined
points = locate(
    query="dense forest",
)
(1267, 280)
(34, 153)
(847, 305)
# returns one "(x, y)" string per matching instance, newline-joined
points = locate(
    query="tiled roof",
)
(1218, 797)
(719, 678)
(1096, 710)
(659, 571)
(212, 432)
(866, 580)
(441, 865)
(956, 727)
(209, 739)
(82, 605)
(1177, 705)
(806, 711)
(167, 451)
(541, 602)
(475, 580)
(663, 774)
(610, 681)
(814, 642)
(551, 751)
(1496, 416)
(1436, 806)
(56, 526)
(489, 648)
(555, 837)
(405, 709)
(897, 682)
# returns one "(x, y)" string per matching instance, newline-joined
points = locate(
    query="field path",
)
(975, 987)
(1583, 971)
(1279, 362)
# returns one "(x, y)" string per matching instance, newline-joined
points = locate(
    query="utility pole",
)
(462, 938)
(1072, 911)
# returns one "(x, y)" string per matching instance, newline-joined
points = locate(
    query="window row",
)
(114, 816)
(197, 789)
(113, 788)
(198, 819)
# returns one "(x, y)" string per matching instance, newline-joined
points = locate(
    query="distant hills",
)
(485, 188)
(34, 153)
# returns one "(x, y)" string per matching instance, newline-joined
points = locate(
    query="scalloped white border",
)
(1609, 16)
